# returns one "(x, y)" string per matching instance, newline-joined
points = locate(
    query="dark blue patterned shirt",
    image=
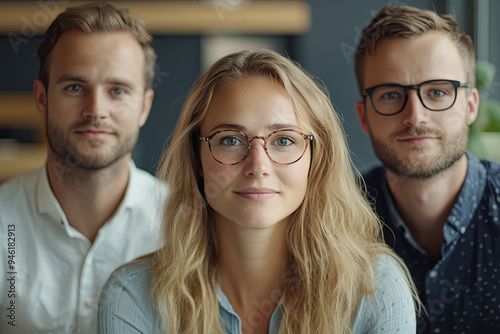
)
(461, 292)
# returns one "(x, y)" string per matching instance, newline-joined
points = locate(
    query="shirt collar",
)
(469, 196)
(46, 201)
(223, 301)
(130, 200)
(464, 207)
(226, 305)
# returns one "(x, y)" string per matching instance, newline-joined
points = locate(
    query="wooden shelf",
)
(18, 158)
(174, 17)
(18, 111)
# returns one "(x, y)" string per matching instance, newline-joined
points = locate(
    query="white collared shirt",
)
(52, 274)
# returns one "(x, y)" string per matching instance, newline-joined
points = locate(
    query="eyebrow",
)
(79, 79)
(228, 126)
(67, 78)
(272, 127)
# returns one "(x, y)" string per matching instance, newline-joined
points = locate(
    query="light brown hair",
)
(333, 238)
(97, 17)
(408, 22)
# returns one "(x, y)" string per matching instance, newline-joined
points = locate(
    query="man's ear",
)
(363, 121)
(472, 105)
(40, 94)
(146, 108)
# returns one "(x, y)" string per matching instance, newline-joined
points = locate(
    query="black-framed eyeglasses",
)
(284, 147)
(436, 95)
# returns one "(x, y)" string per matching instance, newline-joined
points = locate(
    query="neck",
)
(88, 197)
(424, 204)
(251, 267)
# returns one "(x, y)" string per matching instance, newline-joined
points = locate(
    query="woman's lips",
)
(257, 194)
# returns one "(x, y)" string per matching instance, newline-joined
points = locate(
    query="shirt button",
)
(433, 274)
(462, 229)
(89, 302)
(437, 330)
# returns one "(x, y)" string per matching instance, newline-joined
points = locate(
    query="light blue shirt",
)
(125, 307)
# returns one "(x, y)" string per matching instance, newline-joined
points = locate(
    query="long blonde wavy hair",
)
(334, 238)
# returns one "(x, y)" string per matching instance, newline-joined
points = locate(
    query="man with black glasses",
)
(440, 205)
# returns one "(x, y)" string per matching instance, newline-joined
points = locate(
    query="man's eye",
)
(118, 91)
(437, 93)
(74, 88)
(391, 96)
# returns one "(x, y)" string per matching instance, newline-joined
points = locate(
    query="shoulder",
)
(19, 183)
(133, 277)
(389, 274)
(374, 178)
(487, 173)
(390, 308)
(124, 304)
(492, 171)
(144, 183)
(483, 168)
(17, 195)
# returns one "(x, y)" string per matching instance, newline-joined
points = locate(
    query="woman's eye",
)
(230, 141)
(284, 141)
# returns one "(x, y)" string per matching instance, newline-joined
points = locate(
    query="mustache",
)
(94, 125)
(418, 131)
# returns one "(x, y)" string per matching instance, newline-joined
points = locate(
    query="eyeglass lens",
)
(284, 147)
(435, 95)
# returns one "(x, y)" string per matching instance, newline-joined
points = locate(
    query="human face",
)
(95, 102)
(256, 193)
(417, 142)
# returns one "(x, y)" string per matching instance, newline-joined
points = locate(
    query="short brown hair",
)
(410, 22)
(97, 17)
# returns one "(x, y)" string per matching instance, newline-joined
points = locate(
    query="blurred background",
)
(189, 35)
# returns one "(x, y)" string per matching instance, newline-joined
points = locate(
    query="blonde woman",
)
(266, 230)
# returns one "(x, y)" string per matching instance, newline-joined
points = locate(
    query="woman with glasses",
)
(265, 228)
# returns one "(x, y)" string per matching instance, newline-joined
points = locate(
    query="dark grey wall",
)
(326, 51)
(178, 67)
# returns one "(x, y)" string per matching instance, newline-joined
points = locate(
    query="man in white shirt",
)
(65, 227)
